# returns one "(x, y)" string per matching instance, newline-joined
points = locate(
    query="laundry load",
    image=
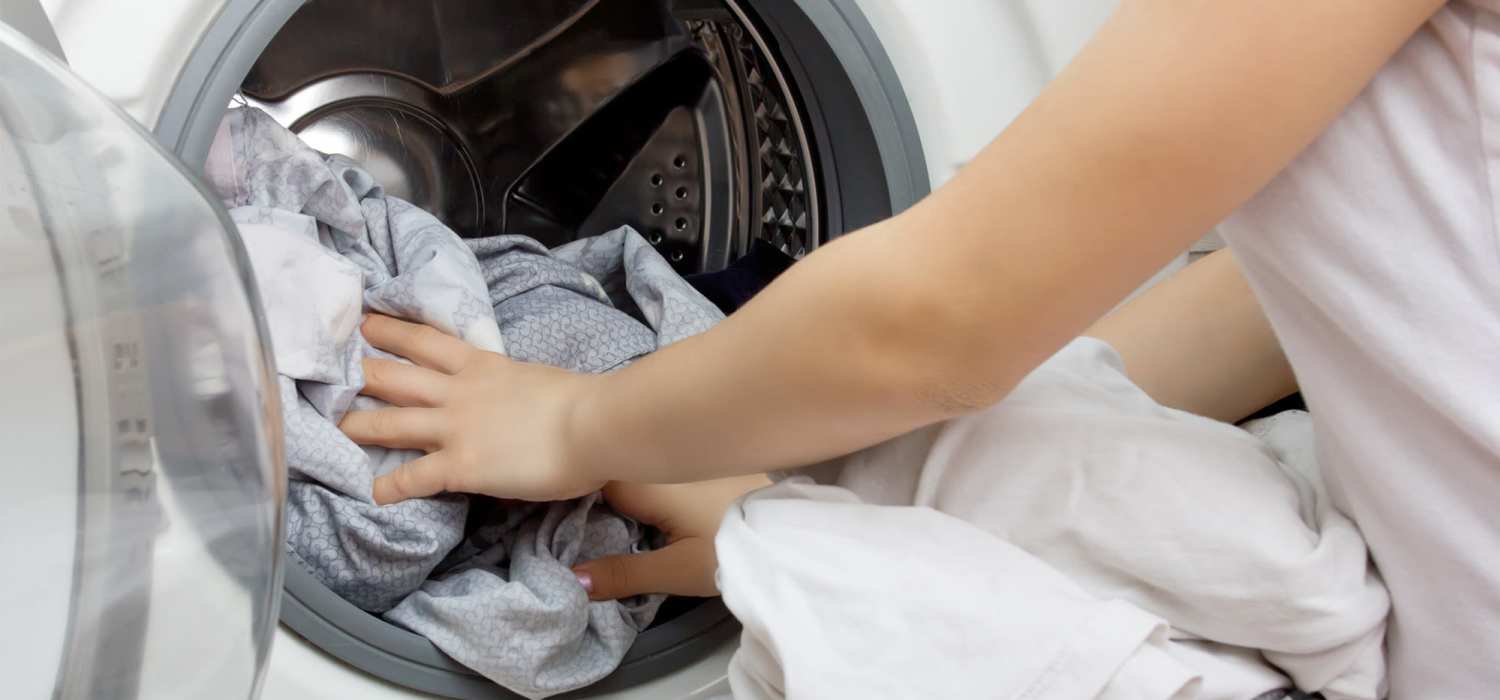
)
(489, 582)
(1077, 540)
(734, 286)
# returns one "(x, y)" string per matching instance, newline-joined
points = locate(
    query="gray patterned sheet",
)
(488, 582)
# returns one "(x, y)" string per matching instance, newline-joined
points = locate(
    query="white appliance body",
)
(967, 68)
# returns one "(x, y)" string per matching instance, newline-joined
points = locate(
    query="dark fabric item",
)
(1290, 403)
(731, 287)
(1288, 695)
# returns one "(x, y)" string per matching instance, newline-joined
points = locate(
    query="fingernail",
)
(585, 579)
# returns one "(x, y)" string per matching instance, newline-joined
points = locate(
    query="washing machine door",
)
(143, 485)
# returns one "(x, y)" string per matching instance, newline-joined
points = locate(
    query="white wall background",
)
(970, 66)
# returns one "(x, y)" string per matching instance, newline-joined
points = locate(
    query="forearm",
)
(1150, 137)
(1199, 342)
(821, 363)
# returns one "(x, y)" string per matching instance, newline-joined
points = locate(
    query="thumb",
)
(685, 567)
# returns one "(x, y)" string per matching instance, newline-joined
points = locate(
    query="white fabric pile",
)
(1075, 541)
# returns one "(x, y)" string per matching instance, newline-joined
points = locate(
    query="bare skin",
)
(1197, 342)
(1174, 115)
(688, 515)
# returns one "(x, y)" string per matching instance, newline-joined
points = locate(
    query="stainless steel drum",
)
(557, 119)
(705, 124)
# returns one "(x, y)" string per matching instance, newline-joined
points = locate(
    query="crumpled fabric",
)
(841, 598)
(1225, 535)
(489, 583)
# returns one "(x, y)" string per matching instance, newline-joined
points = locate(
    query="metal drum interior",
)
(705, 124)
(557, 120)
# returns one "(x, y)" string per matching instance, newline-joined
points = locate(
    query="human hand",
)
(689, 515)
(489, 424)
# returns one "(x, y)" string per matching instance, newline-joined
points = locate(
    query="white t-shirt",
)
(1377, 257)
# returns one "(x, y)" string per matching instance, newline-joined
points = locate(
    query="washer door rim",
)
(851, 98)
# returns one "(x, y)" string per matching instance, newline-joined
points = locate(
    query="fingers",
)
(418, 478)
(403, 384)
(396, 428)
(421, 344)
(685, 567)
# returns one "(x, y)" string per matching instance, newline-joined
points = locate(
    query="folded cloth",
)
(1196, 522)
(844, 599)
(326, 245)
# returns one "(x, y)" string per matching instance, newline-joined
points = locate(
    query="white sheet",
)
(1053, 534)
(844, 599)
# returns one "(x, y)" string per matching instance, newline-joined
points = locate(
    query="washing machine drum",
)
(143, 486)
(704, 124)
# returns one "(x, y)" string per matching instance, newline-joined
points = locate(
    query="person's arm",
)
(1200, 342)
(1175, 114)
(688, 515)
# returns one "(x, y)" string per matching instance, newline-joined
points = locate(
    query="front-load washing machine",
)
(705, 124)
